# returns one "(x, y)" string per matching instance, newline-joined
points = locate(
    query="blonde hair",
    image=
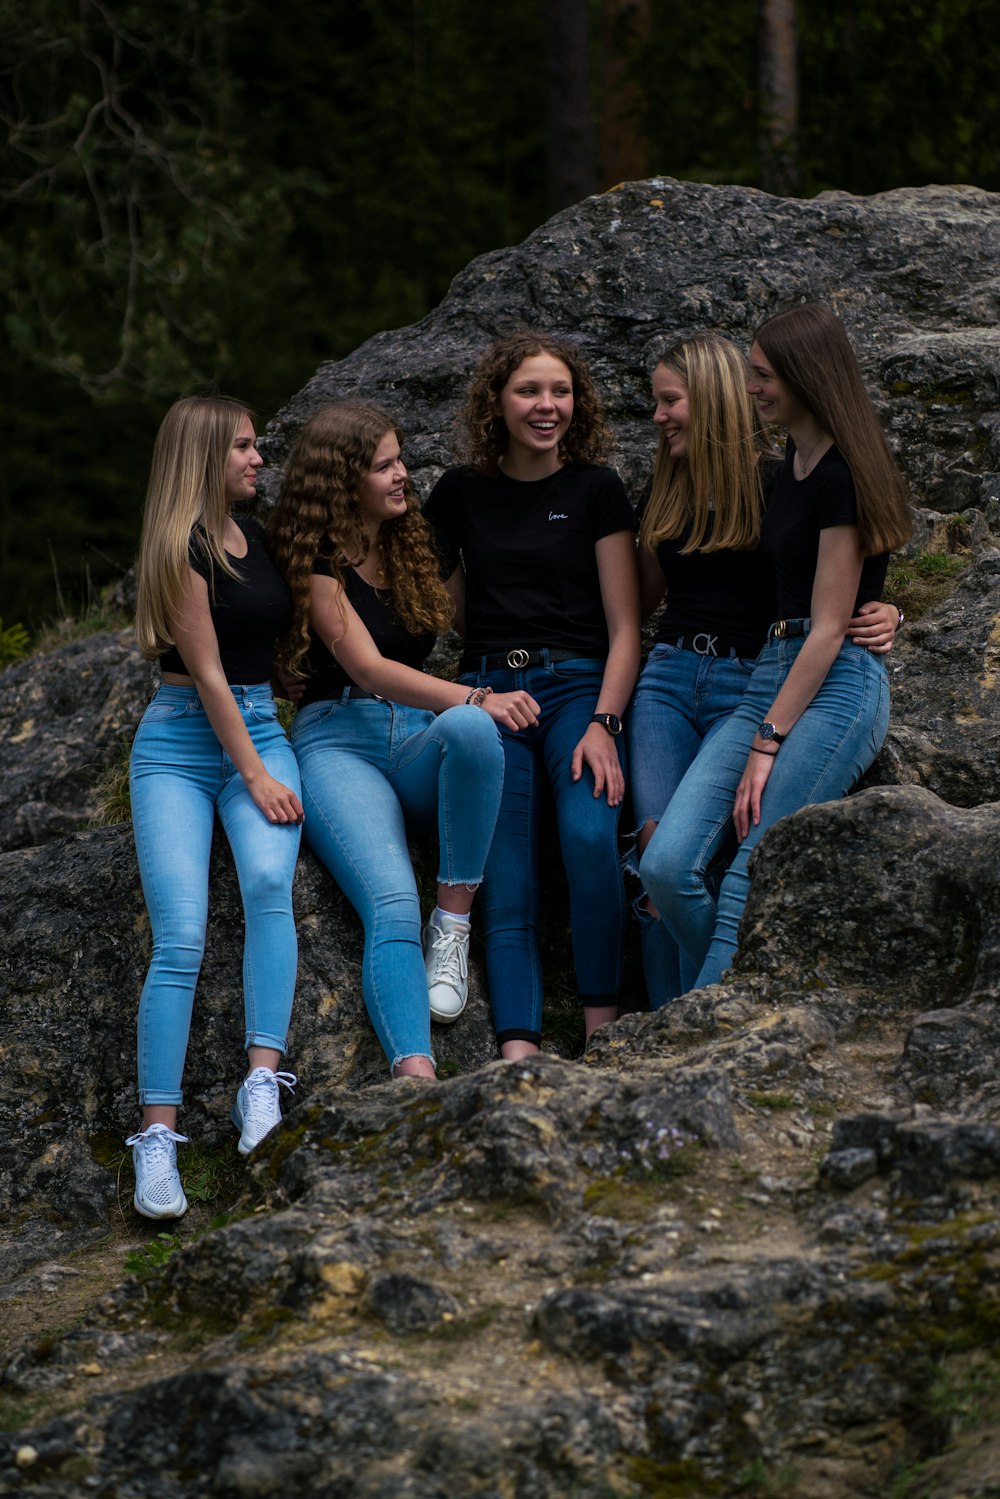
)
(185, 500)
(809, 350)
(318, 508)
(714, 494)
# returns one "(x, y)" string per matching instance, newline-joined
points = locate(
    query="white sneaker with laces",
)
(258, 1105)
(158, 1190)
(446, 959)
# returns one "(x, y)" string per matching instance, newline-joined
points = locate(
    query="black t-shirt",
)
(799, 510)
(528, 551)
(249, 611)
(325, 677)
(727, 594)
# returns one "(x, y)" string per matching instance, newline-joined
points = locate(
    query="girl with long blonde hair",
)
(209, 608)
(813, 710)
(384, 748)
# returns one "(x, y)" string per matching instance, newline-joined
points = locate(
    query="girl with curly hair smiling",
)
(383, 747)
(547, 595)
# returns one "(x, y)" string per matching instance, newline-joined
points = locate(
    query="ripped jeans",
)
(372, 771)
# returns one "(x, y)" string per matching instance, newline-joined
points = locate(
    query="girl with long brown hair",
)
(815, 711)
(699, 545)
(384, 748)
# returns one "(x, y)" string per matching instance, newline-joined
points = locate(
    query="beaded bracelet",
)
(478, 696)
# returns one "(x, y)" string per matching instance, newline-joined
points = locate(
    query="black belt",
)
(516, 659)
(706, 644)
(353, 691)
(789, 629)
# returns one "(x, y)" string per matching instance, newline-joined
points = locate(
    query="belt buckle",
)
(781, 629)
(518, 658)
(708, 649)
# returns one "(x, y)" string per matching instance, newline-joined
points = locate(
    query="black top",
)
(325, 677)
(249, 611)
(528, 550)
(726, 594)
(799, 510)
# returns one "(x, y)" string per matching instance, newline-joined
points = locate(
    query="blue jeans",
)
(179, 776)
(371, 770)
(831, 745)
(681, 701)
(566, 693)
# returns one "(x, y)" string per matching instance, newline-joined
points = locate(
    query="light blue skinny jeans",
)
(681, 701)
(179, 777)
(372, 771)
(829, 747)
(566, 693)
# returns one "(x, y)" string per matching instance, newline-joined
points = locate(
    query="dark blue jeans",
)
(566, 693)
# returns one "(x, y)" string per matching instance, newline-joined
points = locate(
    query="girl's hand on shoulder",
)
(514, 710)
(746, 809)
(874, 627)
(598, 751)
(277, 801)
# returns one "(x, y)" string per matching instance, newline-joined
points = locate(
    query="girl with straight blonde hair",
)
(815, 709)
(699, 544)
(210, 606)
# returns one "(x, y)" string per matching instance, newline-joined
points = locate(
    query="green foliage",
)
(152, 1256)
(759, 1481)
(771, 1101)
(917, 584)
(205, 196)
(14, 642)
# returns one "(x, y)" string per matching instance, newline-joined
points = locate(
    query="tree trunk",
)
(779, 96)
(624, 143)
(569, 122)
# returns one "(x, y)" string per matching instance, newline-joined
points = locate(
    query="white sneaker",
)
(446, 958)
(258, 1105)
(158, 1190)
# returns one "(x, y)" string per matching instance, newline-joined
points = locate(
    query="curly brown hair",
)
(483, 431)
(317, 512)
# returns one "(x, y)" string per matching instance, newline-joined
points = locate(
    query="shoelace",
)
(154, 1139)
(157, 1159)
(262, 1094)
(450, 954)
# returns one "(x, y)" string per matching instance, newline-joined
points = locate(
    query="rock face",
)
(750, 1244)
(913, 274)
(65, 719)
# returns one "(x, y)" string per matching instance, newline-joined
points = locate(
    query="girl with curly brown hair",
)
(548, 597)
(384, 748)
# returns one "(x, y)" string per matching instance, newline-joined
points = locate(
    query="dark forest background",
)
(221, 194)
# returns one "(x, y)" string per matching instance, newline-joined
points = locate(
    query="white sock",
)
(445, 920)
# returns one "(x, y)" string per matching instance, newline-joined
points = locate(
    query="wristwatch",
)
(609, 721)
(767, 731)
